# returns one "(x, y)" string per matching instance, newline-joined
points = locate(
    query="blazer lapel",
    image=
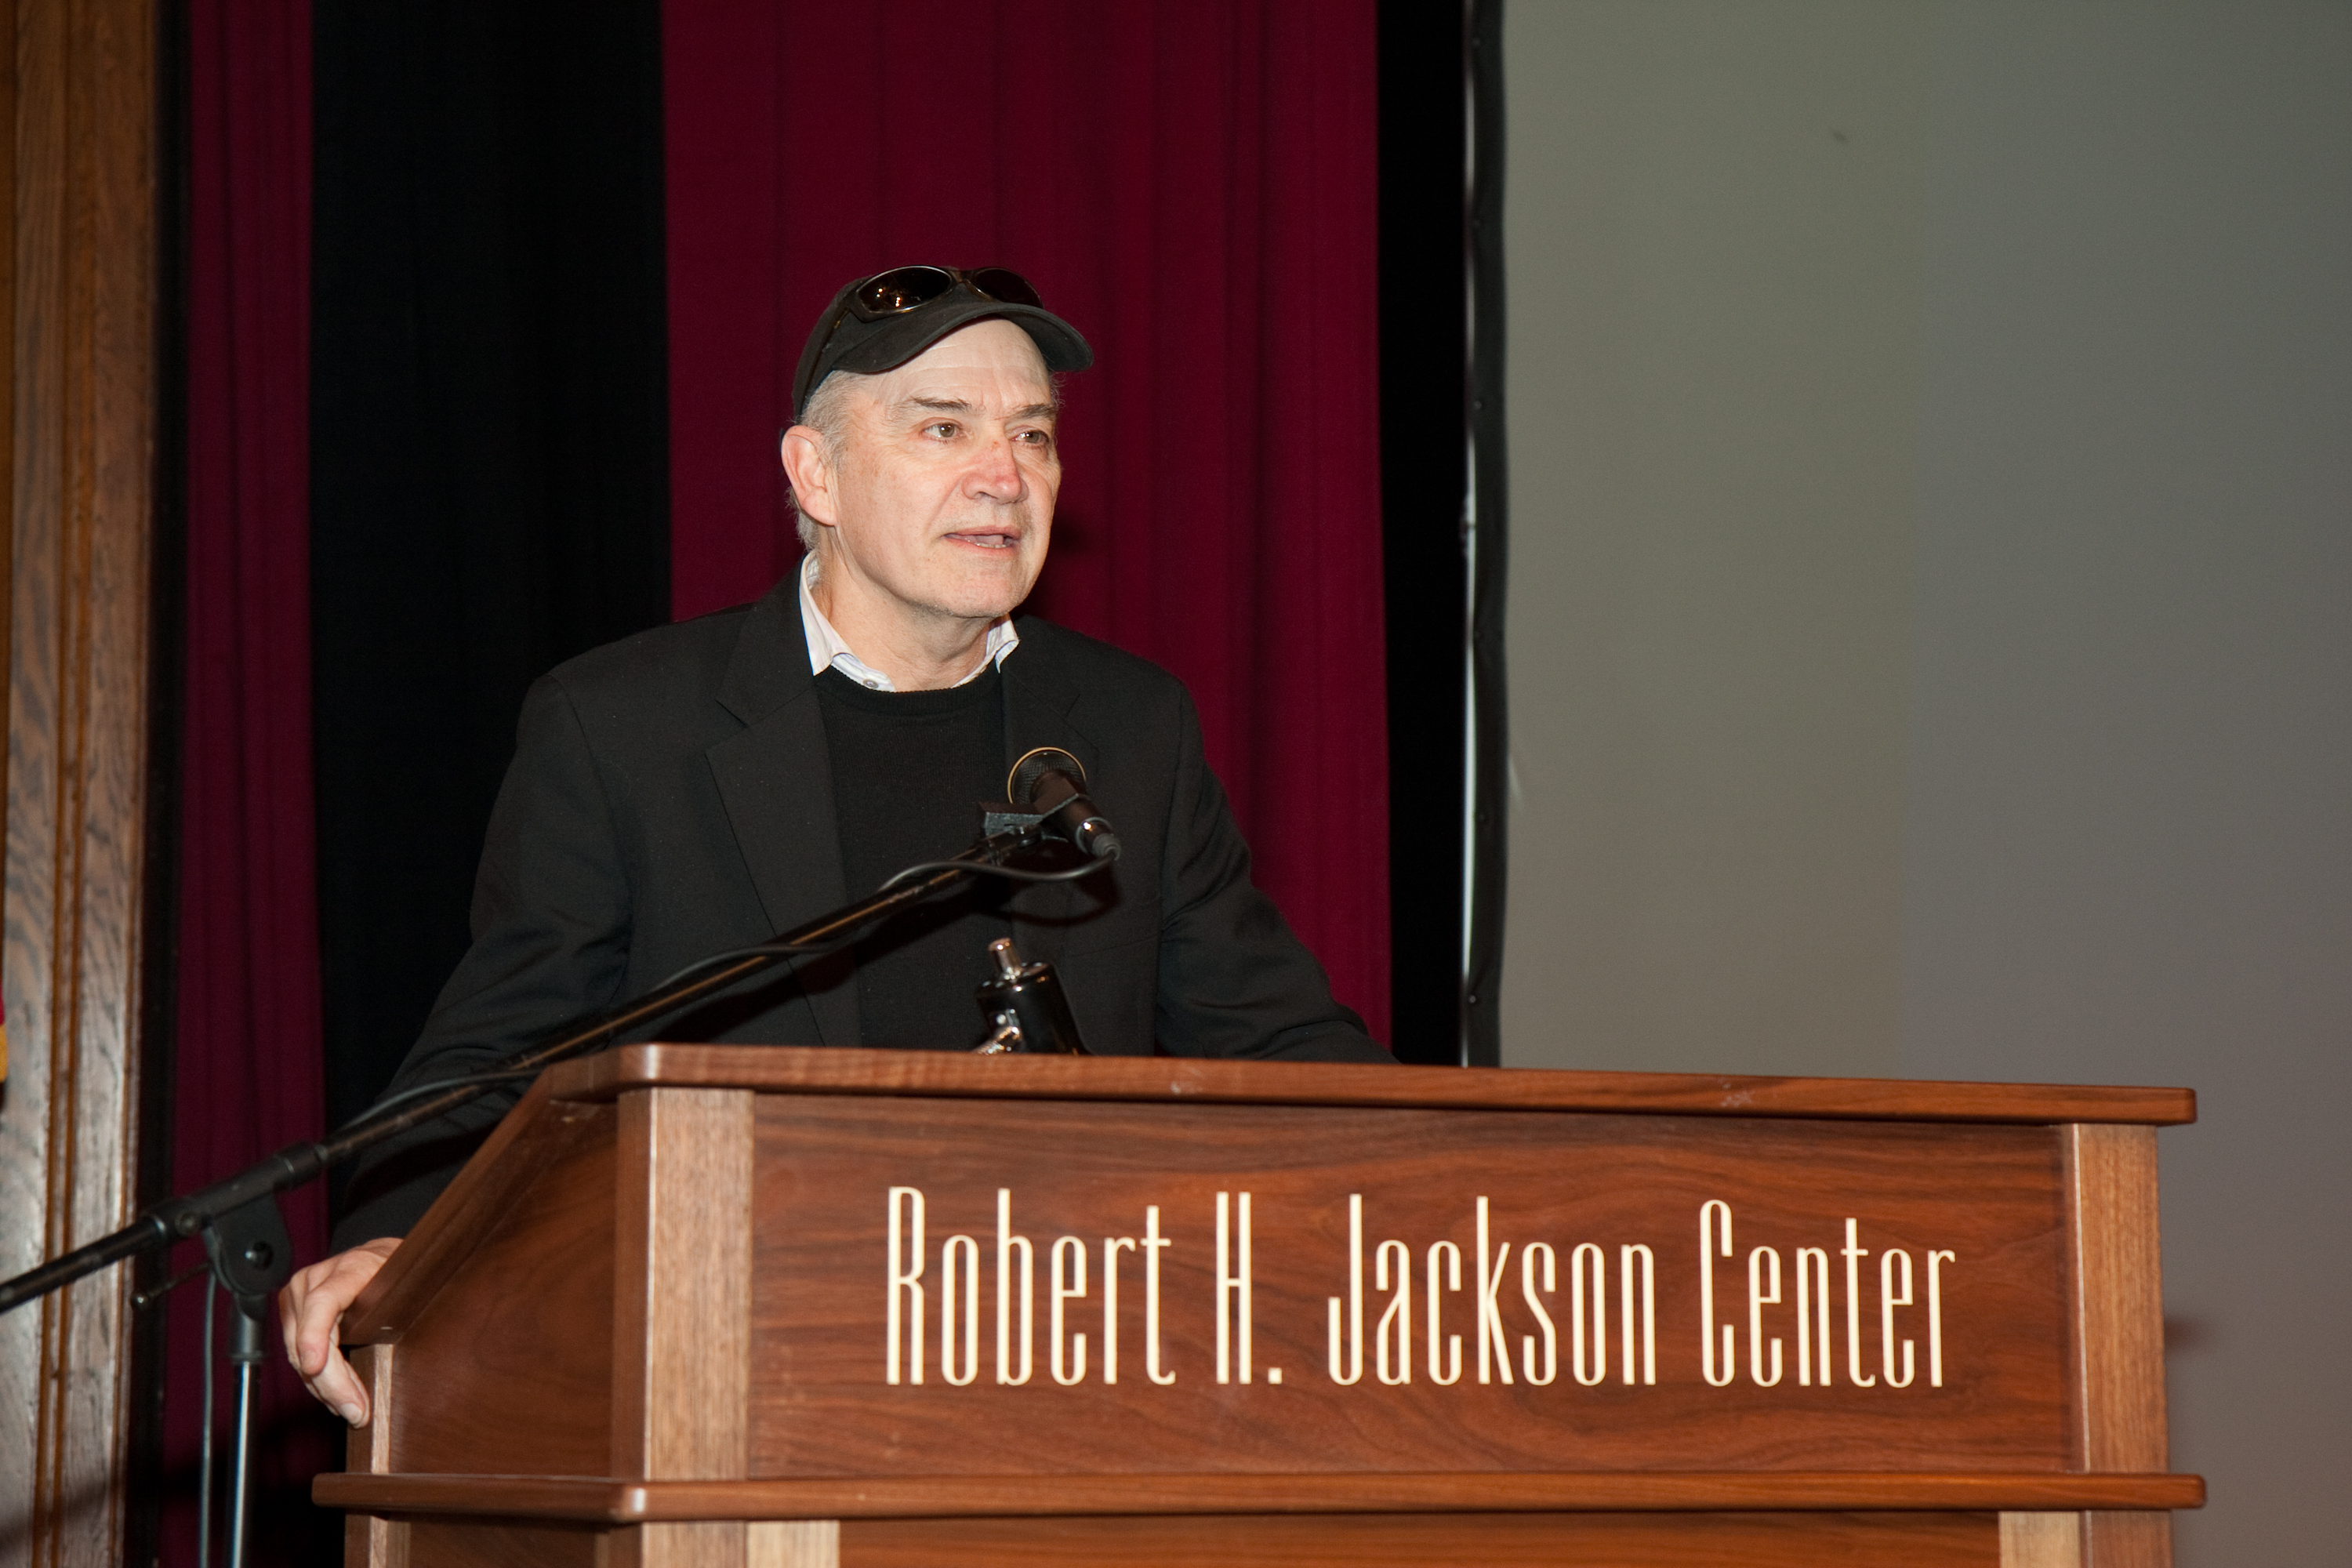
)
(1038, 699)
(775, 777)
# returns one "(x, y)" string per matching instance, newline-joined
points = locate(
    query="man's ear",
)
(805, 466)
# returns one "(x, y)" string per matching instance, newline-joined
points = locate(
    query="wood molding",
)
(2118, 1308)
(2119, 1334)
(682, 1345)
(369, 1448)
(802, 1069)
(594, 1500)
(2127, 1540)
(1419, 1541)
(1359, 1541)
(372, 1542)
(2040, 1540)
(707, 1545)
(81, 315)
(379, 1542)
(9, 98)
(796, 1543)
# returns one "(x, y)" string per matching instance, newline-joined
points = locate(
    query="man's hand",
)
(310, 1310)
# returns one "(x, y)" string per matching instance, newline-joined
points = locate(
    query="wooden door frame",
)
(78, 313)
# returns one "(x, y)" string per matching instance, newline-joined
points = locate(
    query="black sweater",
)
(910, 770)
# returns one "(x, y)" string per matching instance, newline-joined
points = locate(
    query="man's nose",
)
(997, 474)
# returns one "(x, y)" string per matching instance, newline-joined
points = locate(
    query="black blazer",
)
(671, 798)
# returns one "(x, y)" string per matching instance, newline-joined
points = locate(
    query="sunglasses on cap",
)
(904, 289)
(880, 322)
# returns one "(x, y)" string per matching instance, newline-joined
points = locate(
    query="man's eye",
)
(941, 428)
(1033, 437)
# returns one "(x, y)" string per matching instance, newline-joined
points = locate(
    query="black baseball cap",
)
(880, 322)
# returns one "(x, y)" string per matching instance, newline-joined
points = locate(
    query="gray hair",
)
(828, 415)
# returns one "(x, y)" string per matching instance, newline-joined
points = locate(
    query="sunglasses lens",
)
(1004, 286)
(903, 288)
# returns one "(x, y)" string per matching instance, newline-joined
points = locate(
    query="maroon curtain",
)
(247, 1068)
(1190, 181)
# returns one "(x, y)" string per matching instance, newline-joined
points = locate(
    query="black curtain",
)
(489, 459)
(1422, 474)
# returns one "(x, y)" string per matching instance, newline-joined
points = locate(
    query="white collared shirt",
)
(826, 650)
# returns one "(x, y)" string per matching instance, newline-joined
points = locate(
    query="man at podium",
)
(704, 785)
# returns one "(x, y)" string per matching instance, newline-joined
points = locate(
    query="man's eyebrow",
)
(958, 405)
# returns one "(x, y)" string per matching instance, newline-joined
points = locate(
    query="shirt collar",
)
(826, 650)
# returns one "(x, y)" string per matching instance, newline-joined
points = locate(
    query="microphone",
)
(1051, 785)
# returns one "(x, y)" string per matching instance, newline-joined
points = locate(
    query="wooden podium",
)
(779, 1306)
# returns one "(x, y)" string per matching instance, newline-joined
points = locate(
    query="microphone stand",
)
(245, 1244)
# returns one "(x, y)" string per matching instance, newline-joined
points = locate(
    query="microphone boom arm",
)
(190, 1214)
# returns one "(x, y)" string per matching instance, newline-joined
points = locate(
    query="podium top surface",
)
(805, 1070)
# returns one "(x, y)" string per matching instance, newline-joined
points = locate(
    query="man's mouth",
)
(988, 539)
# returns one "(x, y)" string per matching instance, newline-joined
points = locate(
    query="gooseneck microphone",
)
(1051, 785)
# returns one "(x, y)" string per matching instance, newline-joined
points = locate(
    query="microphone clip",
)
(1003, 817)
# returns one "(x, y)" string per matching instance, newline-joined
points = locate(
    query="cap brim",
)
(899, 341)
(888, 345)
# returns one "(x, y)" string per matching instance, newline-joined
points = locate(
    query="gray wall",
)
(1931, 604)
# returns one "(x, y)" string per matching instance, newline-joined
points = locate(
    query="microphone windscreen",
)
(1020, 785)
